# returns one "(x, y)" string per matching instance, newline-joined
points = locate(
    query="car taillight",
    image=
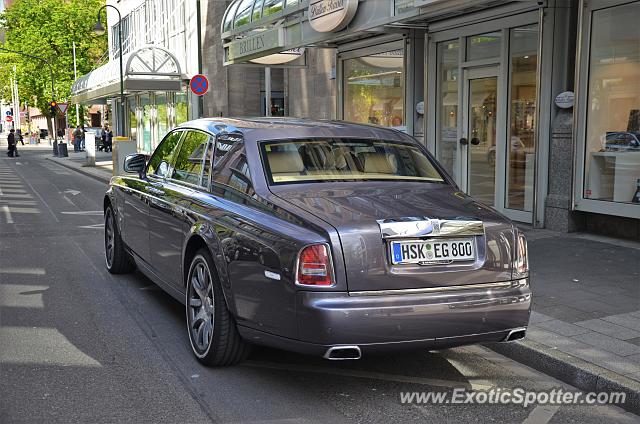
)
(522, 260)
(314, 266)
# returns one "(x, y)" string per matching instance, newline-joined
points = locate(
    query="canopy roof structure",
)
(148, 68)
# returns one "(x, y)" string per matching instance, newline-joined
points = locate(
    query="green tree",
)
(48, 29)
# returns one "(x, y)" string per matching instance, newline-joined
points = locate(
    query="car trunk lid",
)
(372, 216)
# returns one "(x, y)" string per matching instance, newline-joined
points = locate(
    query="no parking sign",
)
(199, 85)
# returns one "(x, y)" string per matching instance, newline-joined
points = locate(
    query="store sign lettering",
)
(264, 42)
(331, 15)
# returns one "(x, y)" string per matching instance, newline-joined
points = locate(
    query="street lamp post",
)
(99, 29)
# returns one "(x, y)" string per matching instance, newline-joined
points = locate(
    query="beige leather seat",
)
(289, 163)
(377, 163)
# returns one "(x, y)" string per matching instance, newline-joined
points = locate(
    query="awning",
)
(253, 29)
(149, 68)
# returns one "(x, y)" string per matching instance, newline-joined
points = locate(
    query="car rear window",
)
(324, 160)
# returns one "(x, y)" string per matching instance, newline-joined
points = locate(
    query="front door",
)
(481, 141)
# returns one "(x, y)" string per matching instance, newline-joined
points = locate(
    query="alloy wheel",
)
(109, 238)
(200, 306)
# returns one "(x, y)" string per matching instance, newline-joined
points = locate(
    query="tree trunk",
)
(50, 128)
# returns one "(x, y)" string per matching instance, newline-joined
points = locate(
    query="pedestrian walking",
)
(82, 139)
(108, 143)
(77, 138)
(19, 137)
(11, 141)
(103, 139)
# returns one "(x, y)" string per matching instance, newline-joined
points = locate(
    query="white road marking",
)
(39, 196)
(541, 414)
(7, 214)
(93, 227)
(88, 213)
(41, 346)
(21, 296)
(72, 192)
(362, 374)
(23, 271)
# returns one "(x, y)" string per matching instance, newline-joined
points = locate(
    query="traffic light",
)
(53, 107)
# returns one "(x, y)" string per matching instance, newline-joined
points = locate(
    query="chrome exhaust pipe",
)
(343, 353)
(515, 334)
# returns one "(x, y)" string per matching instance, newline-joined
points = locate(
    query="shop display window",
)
(374, 89)
(612, 142)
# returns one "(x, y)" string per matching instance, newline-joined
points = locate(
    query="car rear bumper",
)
(440, 316)
(405, 320)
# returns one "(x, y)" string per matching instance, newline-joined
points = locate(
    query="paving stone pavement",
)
(587, 298)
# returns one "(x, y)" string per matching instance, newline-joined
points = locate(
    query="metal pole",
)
(16, 118)
(267, 91)
(75, 77)
(200, 71)
(121, 108)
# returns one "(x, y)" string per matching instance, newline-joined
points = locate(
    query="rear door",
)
(168, 215)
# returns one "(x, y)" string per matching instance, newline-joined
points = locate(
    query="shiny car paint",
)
(254, 241)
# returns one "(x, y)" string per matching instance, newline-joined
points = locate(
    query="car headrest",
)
(285, 162)
(376, 163)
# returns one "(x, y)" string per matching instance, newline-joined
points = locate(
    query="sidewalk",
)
(102, 171)
(585, 324)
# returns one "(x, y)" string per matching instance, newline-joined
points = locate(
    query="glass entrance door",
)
(485, 103)
(480, 143)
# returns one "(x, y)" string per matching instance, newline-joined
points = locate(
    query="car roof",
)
(270, 128)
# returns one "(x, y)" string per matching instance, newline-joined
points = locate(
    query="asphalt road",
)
(80, 345)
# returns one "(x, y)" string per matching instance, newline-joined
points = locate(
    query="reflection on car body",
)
(315, 237)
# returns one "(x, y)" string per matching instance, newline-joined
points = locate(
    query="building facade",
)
(532, 106)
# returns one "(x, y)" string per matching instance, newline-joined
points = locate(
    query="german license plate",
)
(432, 252)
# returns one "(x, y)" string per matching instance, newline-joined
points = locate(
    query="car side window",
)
(189, 162)
(232, 170)
(160, 163)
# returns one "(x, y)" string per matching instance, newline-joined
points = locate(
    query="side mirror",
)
(135, 164)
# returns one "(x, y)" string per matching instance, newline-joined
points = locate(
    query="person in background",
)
(82, 139)
(11, 141)
(103, 139)
(77, 138)
(19, 137)
(108, 144)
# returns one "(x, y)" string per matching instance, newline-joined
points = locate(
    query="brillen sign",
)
(331, 15)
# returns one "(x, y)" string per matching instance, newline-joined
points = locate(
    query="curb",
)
(569, 369)
(79, 169)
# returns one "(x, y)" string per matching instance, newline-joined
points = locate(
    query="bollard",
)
(55, 148)
(63, 152)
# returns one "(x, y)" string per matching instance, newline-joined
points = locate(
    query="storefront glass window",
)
(484, 46)
(448, 65)
(243, 15)
(374, 89)
(523, 56)
(145, 105)
(163, 116)
(271, 6)
(612, 156)
(182, 108)
(133, 119)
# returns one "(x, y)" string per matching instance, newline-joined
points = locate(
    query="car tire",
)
(213, 334)
(118, 260)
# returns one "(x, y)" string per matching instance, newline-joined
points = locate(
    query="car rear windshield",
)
(324, 160)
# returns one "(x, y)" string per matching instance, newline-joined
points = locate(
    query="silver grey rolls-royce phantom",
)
(326, 238)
